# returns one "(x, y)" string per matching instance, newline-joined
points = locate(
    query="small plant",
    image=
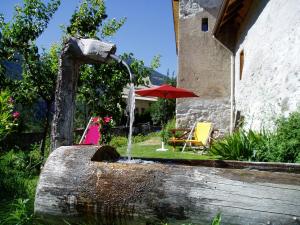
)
(241, 145)
(166, 133)
(8, 118)
(285, 144)
(20, 215)
(217, 220)
(105, 129)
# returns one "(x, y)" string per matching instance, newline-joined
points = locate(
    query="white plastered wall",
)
(270, 84)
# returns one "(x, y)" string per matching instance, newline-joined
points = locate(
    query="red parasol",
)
(166, 91)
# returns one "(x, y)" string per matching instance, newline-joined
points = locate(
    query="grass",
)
(147, 149)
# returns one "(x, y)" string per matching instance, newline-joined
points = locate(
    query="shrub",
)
(139, 138)
(21, 214)
(166, 133)
(8, 118)
(286, 141)
(162, 111)
(19, 176)
(18, 172)
(118, 141)
(283, 145)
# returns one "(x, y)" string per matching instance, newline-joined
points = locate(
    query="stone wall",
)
(270, 84)
(204, 67)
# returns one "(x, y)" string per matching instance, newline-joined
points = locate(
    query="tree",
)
(17, 37)
(100, 86)
(39, 79)
(164, 109)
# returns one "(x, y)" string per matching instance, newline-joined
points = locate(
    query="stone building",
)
(252, 46)
(203, 64)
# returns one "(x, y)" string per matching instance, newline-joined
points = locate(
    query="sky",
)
(148, 30)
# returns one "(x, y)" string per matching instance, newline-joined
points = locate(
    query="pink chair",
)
(91, 135)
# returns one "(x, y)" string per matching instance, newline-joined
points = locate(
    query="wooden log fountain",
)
(73, 186)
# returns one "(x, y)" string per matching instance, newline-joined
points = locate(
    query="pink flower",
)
(16, 115)
(107, 119)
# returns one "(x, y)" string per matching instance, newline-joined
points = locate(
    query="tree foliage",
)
(164, 109)
(18, 35)
(8, 118)
(88, 18)
(100, 86)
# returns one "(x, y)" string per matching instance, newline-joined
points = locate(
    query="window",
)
(241, 63)
(204, 26)
(143, 110)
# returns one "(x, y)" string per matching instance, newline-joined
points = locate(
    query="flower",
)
(107, 119)
(16, 115)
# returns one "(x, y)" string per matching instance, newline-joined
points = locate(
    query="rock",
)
(106, 153)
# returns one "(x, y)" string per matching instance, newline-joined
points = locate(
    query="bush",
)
(8, 118)
(19, 172)
(166, 133)
(283, 145)
(19, 176)
(162, 111)
(118, 141)
(21, 213)
(139, 138)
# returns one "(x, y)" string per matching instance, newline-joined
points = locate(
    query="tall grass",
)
(19, 175)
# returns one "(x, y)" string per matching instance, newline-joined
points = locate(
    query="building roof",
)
(231, 15)
(175, 7)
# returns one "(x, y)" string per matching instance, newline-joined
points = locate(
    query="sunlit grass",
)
(140, 150)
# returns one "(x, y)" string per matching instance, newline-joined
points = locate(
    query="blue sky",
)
(147, 32)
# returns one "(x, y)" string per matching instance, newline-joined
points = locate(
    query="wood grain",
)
(117, 193)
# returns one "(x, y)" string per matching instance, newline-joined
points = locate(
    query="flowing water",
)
(131, 107)
(130, 104)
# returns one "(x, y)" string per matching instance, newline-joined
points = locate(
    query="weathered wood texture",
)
(116, 193)
(75, 52)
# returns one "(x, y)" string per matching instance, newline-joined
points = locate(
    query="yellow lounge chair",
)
(202, 135)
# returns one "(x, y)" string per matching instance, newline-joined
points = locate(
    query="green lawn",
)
(148, 148)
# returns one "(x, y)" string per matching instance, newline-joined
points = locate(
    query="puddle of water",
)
(135, 161)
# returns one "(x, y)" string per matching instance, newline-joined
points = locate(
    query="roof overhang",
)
(175, 7)
(231, 15)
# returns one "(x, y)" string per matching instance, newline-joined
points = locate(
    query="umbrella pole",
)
(163, 127)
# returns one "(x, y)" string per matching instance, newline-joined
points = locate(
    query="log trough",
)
(73, 187)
